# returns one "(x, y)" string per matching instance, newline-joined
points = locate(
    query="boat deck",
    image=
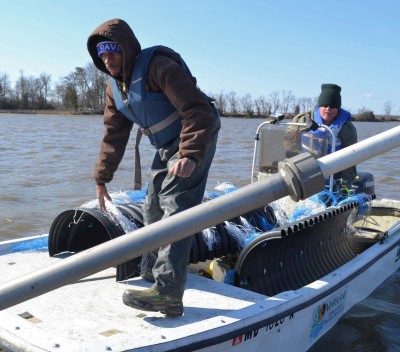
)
(53, 321)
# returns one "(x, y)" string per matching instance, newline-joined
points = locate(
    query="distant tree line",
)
(283, 102)
(83, 91)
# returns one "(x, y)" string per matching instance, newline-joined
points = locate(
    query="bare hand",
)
(183, 168)
(102, 195)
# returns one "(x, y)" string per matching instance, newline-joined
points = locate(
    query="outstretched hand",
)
(102, 195)
(183, 168)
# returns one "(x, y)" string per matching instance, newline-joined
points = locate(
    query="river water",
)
(46, 163)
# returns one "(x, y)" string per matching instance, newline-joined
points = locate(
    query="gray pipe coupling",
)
(303, 176)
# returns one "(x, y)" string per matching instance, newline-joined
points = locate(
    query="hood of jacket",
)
(120, 32)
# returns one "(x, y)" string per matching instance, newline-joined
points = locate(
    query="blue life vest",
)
(319, 142)
(153, 112)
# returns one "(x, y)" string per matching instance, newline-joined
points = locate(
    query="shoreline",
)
(49, 112)
(378, 118)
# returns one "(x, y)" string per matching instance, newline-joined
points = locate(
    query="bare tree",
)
(302, 103)
(58, 94)
(92, 85)
(274, 100)
(45, 88)
(38, 91)
(69, 93)
(21, 91)
(85, 100)
(5, 91)
(305, 104)
(97, 81)
(387, 107)
(36, 100)
(233, 104)
(287, 100)
(261, 106)
(247, 105)
(221, 102)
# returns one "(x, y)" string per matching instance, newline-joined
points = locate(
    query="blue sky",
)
(249, 46)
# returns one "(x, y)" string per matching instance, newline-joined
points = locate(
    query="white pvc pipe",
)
(359, 152)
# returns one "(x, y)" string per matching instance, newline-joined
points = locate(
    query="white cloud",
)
(369, 95)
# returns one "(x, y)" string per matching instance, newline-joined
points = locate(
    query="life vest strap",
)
(161, 125)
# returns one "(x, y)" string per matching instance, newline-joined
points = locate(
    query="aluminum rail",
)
(299, 177)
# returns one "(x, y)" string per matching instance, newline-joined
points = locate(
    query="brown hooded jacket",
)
(164, 75)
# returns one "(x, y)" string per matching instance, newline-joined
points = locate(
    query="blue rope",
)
(250, 238)
(37, 245)
(229, 277)
(265, 225)
(138, 195)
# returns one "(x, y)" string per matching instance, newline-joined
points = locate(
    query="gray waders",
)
(168, 195)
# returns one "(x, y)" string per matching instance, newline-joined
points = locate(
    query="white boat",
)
(292, 283)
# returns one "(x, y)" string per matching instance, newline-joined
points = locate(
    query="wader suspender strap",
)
(138, 168)
(161, 125)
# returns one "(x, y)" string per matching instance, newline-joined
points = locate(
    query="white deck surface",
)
(89, 315)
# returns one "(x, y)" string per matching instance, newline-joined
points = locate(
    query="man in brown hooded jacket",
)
(155, 84)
